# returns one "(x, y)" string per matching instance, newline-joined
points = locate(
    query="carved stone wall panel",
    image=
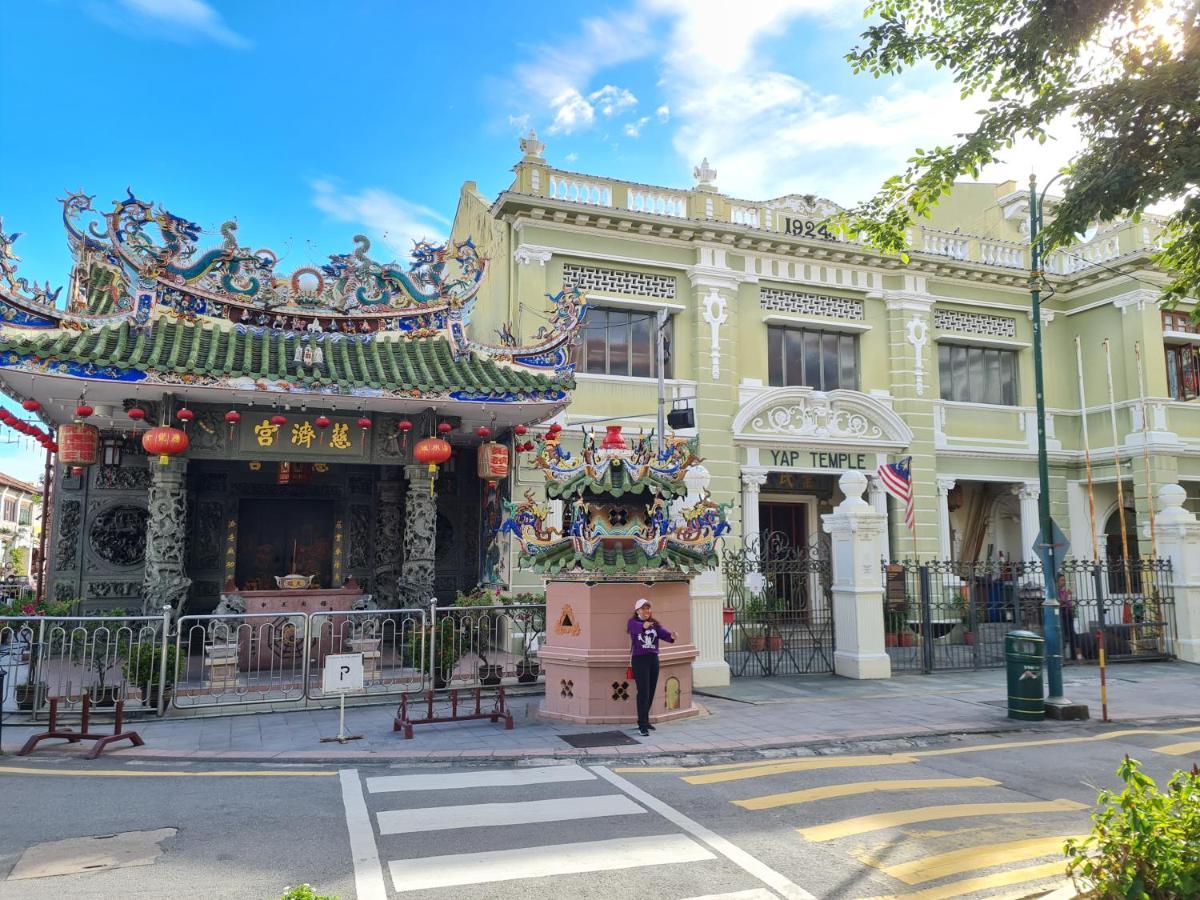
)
(388, 528)
(359, 534)
(113, 590)
(66, 549)
(122, 478)
(420, 535)
(208, 534)
(117, 535)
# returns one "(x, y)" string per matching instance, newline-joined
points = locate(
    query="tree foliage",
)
(1126, 73)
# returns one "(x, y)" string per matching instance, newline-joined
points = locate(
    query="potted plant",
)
(441, 654)
(96, 645)
(142, 668)
(477, 630)
(19, 620)
(529, 614)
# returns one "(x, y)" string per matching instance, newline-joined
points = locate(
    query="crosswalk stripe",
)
(807, 764)
(526, 812)
(792, 798)
(752, 894)
(970, 859)
(540, 862)
(985, 882)
(483, 778)
(879, 821)
(1184, 749)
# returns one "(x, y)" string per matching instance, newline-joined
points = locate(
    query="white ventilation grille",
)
(974, 323)
(811, 304)
(637, 284)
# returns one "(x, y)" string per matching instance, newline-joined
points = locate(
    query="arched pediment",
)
(802, 415)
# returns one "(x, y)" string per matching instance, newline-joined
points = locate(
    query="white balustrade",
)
(640, 200)
(576, 190)
(939, 244)
(1083, 256)
(744, 215)
(1002, 253)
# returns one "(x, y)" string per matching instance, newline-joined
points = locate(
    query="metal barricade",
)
(110, 657)
(390, 640)
(484, 646)
(241, 658)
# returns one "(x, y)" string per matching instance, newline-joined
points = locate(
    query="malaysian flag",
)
(897, 481)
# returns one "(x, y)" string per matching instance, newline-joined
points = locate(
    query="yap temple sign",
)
(300, 437)
(820, 459)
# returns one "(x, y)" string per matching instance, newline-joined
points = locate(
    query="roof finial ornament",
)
(705, 175)
(531, 146)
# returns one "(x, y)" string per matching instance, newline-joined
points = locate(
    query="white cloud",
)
(177, 20)
(391, 218)
(571, 112)
(663, 113)
(634, 129)
(521, 122)
(611, 100)
(571, 157)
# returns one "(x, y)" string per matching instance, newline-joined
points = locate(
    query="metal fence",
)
(110, 658)
(778, 612)
(953, 615)
(214, 661)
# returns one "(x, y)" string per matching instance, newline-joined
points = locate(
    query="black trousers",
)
(645, 676)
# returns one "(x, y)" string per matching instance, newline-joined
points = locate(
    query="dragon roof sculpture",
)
(619, 518)
(142, 267)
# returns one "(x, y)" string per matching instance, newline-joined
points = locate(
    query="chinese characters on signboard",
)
(300, 437)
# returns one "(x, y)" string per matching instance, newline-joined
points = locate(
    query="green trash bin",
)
(1023, 655)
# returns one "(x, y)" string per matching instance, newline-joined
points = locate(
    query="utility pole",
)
(1057, 706)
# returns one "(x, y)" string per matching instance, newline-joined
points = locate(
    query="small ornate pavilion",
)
(303, 396)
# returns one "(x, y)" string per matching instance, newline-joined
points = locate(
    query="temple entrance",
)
(280, 537)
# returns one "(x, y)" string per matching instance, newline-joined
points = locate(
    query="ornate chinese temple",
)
(219, 424)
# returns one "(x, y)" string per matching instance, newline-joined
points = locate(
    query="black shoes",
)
(643, 732)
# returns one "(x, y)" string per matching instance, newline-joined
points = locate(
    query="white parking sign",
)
(343, 673)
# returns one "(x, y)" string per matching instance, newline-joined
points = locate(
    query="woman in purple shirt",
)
(644, 635)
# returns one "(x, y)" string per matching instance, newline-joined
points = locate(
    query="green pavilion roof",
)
(177, 347)
(630, 560)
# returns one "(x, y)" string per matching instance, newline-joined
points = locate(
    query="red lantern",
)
(82, 411)
(405, 425)
(76, 471)
(278, 420)
(322, 422)
(233, 417)
(444, 428)
(613, 439)
(136, 413)
(80, 444)
(484, 432)
(364, 423)
(164, 441)
(185, 415)
(433, 452)
(31, 405)
(492, 461)
(520, 430)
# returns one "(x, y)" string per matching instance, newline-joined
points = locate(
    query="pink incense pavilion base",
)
(586, 652)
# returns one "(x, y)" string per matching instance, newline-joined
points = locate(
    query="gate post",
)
(854, 529)
(1179, 541)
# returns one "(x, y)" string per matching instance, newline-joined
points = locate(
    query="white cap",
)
(640, 604)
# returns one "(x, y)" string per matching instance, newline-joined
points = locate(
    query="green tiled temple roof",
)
(616, 482)
(629, 560)
(172, 346)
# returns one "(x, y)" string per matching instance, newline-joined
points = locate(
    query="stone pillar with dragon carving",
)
(385, 575)
(420, 538)
(165, 582)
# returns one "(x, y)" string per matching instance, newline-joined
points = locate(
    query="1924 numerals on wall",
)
(807, 228)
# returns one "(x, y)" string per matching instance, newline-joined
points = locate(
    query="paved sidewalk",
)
(750, 715)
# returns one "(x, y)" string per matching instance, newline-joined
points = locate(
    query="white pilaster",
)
(1178, 534)
(854, 528)
(1028, 494)
(944, 487)
(752, 482)
(878, 498)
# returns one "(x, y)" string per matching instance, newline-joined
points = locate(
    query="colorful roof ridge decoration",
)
(619, 523)
(147, 303)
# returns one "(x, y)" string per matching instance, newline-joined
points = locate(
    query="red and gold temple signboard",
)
(260, 435)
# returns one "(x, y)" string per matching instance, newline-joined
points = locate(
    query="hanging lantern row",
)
(22, 427)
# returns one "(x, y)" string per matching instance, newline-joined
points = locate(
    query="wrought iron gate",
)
(778, 607)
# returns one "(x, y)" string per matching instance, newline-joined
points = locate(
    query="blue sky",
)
(311, 121)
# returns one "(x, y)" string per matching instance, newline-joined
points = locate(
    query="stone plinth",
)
(274, 619)
(586, 652)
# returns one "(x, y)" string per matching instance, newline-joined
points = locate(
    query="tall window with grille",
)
(622, 342)
(10, 509)
(978, 374)
(1183, 356)
(810, 357)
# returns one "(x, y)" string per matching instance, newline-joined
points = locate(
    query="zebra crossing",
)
(554, 830)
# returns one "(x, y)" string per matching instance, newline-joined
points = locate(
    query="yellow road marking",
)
(1183, 749)
(118, 773)
(969, 859)
(879, 821)
(800, 765)
(985, 882)
(772, 801)
(758, 768)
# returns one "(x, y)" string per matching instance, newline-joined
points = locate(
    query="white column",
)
(752, 482)
(1028, 494)
(878, 498)
(944, 487)
(854, 528)
(708, 598)
(1178, 535)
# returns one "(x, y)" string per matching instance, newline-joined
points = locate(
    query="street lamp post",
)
(1057, 705)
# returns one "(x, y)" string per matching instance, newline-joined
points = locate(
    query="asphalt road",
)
(964, 818)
